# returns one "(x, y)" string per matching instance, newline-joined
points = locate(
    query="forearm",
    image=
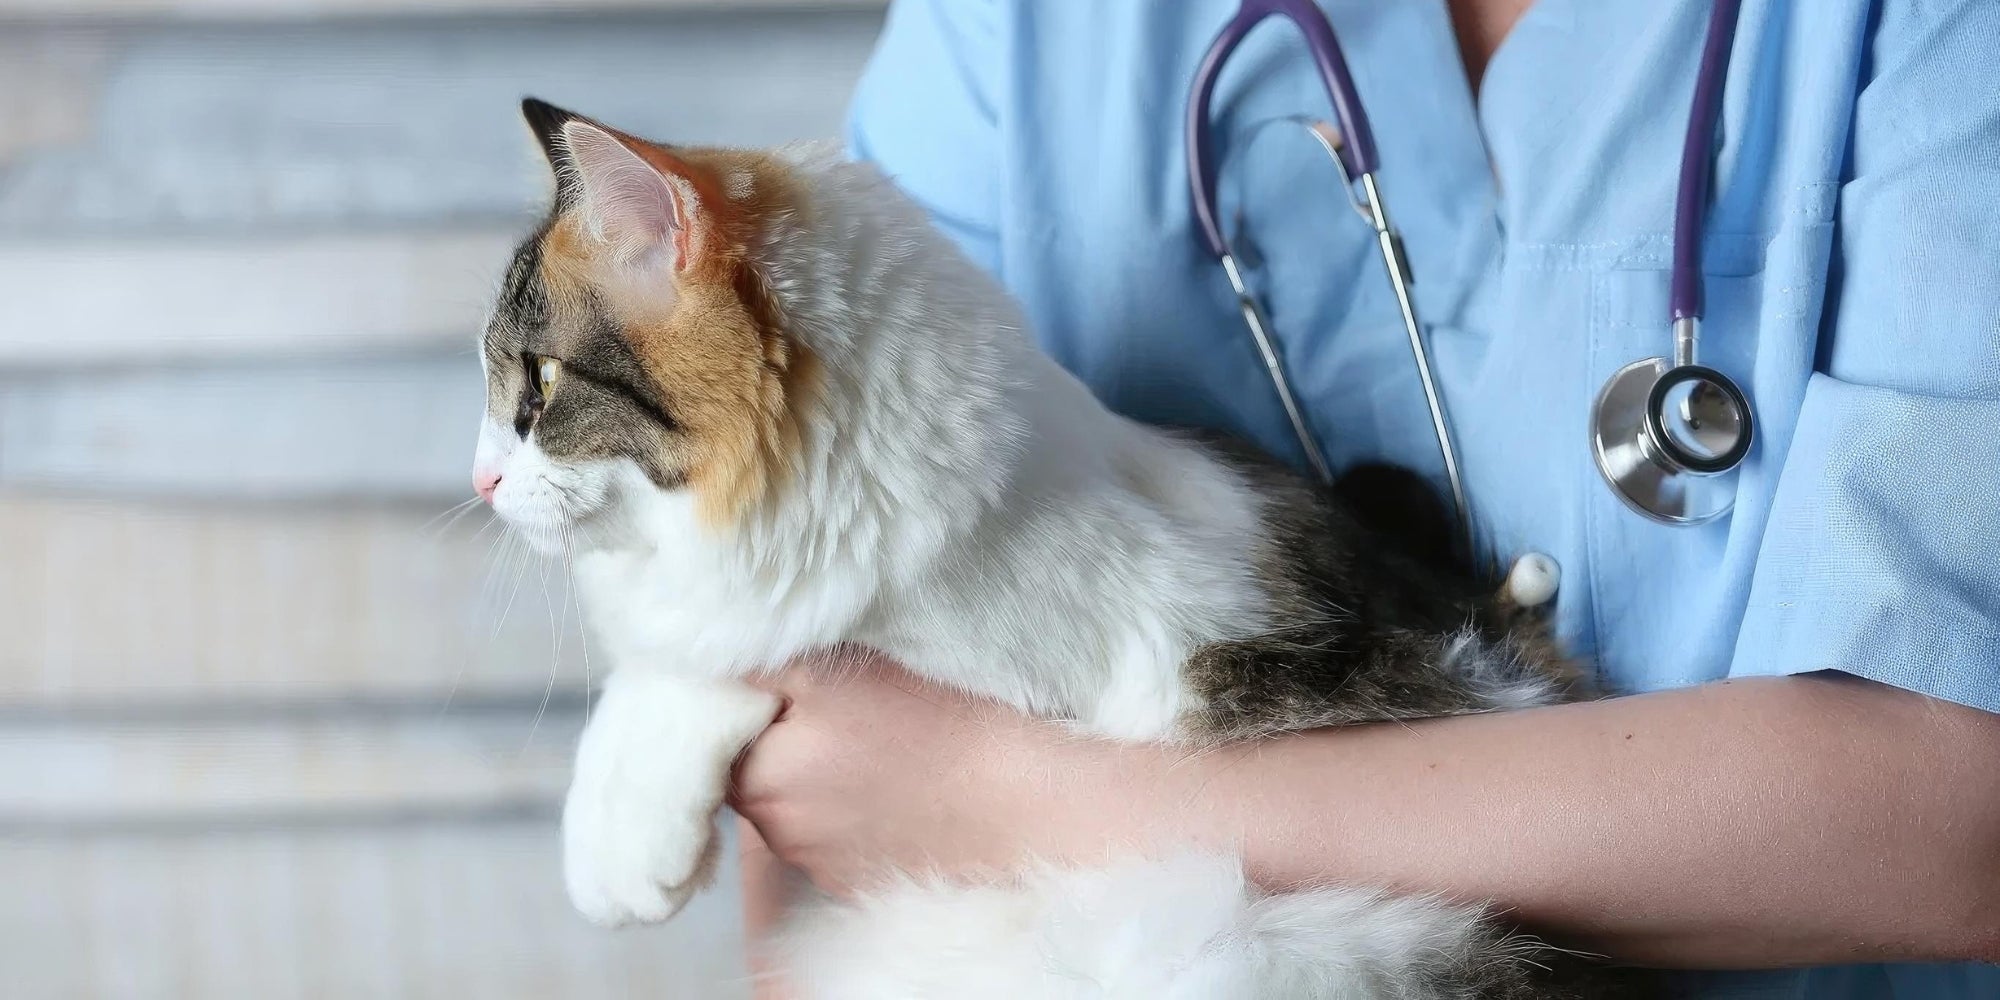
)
(1757, 823)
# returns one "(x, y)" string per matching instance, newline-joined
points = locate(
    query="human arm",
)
(1758, 823)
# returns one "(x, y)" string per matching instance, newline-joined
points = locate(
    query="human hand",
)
(869, 770)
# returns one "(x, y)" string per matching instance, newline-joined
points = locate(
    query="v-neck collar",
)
(1450, 200)
(1541, 15)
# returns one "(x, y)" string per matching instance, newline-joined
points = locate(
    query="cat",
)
(766, 409)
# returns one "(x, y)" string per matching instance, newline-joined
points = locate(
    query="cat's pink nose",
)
(486, 481)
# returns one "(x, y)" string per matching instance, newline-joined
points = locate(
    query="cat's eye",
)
(545, 372)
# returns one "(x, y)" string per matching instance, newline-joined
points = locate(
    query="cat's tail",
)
(1190, 928)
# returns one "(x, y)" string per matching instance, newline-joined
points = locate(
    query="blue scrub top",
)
(1853, 287)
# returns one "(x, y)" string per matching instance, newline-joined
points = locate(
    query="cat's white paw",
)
(639, 822)
(630, 856)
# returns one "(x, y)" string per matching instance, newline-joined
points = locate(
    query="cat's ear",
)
(640, 210)
(546, 120)
(638, 204)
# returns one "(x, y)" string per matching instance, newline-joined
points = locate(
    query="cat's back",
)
(1373, 614)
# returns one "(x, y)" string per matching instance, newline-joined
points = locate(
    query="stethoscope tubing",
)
(1353, 150)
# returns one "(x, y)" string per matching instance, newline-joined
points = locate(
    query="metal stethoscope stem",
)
(1260, 331)
(1398, 265)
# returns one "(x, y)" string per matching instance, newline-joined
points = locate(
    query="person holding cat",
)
(1805, 781)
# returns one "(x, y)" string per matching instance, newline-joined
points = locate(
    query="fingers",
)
(759, 774)
(830, 706)
(789, 747)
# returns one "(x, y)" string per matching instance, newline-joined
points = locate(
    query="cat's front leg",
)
(651, 770)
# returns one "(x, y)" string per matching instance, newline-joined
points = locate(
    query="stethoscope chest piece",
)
(1669, 439)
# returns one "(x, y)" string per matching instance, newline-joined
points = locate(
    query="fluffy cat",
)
(767, 410)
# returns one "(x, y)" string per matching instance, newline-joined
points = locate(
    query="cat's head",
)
(637, 347)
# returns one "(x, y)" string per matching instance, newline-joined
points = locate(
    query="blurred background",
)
(268, 724)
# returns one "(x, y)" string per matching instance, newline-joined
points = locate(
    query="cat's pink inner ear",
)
(630, 205)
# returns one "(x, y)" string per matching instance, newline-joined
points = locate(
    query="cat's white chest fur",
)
(687, 603)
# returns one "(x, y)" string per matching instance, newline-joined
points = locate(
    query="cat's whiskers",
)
(570, 532)
(489, 591)
(449, 516)
(517, 548)
(496, 557)
(569, 507)
(556, 630)
(491, 521)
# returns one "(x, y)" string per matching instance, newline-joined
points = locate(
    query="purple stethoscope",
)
(1665, 433)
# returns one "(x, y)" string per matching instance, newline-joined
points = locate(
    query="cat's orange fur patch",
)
(717, 348)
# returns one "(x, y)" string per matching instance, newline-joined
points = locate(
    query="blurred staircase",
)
(264, 729)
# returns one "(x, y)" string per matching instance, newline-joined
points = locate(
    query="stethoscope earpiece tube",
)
(1691, 193)
(1358, 155)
